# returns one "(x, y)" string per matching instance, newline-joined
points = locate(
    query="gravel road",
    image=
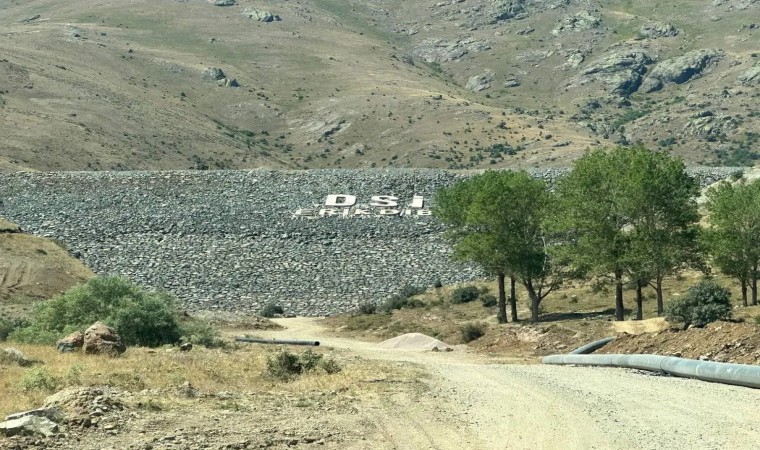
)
(476, 404)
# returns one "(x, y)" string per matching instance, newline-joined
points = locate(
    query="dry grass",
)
(208, 371)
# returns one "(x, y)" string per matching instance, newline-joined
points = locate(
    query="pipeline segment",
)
(591, 347)
(276, 341)
(727, 373)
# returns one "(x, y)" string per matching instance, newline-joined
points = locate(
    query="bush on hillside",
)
(140, 317)
(197, 332)
(271, 309)
(403, 299)
(7, 326)
(704, 302)
(472, 331)
(489, 300)
(367, 308)
(285, 365)
(465, 294)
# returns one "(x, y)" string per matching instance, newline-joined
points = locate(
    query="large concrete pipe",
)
(737, 374)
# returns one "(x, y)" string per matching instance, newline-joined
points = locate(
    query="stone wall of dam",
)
(317, 242)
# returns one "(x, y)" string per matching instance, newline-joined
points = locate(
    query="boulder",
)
(222, 2)
(680, 69)
(439, 50)
(29, 426)
(213, 74)
(480, 82)
(102, 339)
(656, 30)
(622, 71)
(70, 343)
(260, 15)
(750, 77)
(14, 356)
(581, 21)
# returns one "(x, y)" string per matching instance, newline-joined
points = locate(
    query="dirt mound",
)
(719, 341)
(414, 341)
(34, 267)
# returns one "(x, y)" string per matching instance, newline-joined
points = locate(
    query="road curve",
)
(473, 404)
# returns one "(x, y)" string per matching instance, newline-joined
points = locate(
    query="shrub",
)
(704, 302)
(202, 333)
(403, 299)
(409, 290)
(12, 356)
(271, 309)
(39, 379)
(7, 326)
(472, 331)
(367, 308)
(465, 294)
(489, 300)
(285, 365)
(140, 317)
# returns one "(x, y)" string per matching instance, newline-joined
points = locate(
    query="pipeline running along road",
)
(474, 404)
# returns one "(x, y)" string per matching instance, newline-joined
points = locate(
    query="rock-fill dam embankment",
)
(235, 240)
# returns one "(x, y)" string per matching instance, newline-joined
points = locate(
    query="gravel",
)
(229, 241)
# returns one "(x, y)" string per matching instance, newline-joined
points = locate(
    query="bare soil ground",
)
(719, 341)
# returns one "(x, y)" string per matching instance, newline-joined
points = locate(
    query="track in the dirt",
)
(475, 405)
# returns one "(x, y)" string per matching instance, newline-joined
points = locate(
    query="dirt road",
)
(476, 404)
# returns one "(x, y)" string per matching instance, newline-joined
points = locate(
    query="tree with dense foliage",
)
(733, 232)
(140, 317)
(627, 212)
(496, 220)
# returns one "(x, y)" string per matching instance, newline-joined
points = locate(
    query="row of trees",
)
(626, 215)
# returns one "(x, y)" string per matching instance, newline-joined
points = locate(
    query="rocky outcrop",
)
(70, 343)
(217, 76)
(103, 340)
(581, 21)
(480, 82)
(222, 2)
(508, 10)
(439, 50)
(14, 356)
(656, 30)
(621, 71)
(680, 69)
(750, 77)
(260, 15)
(30, 425)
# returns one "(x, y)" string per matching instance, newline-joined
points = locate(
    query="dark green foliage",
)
(472, 331)
(489, 300)
(403, 299)
(8, 325)
(140, 317)
(271, 309)
(285, 365)
(202, 333)
(705, 302)
(464, 294)
(367, 308)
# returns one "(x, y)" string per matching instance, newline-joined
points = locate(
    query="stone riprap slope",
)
(233, 240)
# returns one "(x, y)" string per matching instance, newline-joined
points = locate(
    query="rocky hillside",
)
(323, 83)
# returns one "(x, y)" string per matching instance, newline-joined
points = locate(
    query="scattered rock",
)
(260, 15)
(14, 356)
(680, 69)
(222, 2)
(477, 83)
(185, 347)
(750, 77)
(656, 30)
(70, 343)
(102, 339)
(581, 21)
(29, 426)
(525, 31)
(622, 71)
(511, 82)
(217, 75)
(439, 50)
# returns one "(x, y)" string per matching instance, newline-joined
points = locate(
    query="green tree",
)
(140, 317)
(627, 213)
(733, 232)
(496, 220)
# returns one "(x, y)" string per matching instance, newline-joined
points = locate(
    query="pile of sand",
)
(415, 341)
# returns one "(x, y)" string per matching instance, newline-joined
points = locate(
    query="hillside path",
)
(474, 403)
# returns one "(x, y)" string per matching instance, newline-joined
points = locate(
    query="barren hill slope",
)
(457, 83)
